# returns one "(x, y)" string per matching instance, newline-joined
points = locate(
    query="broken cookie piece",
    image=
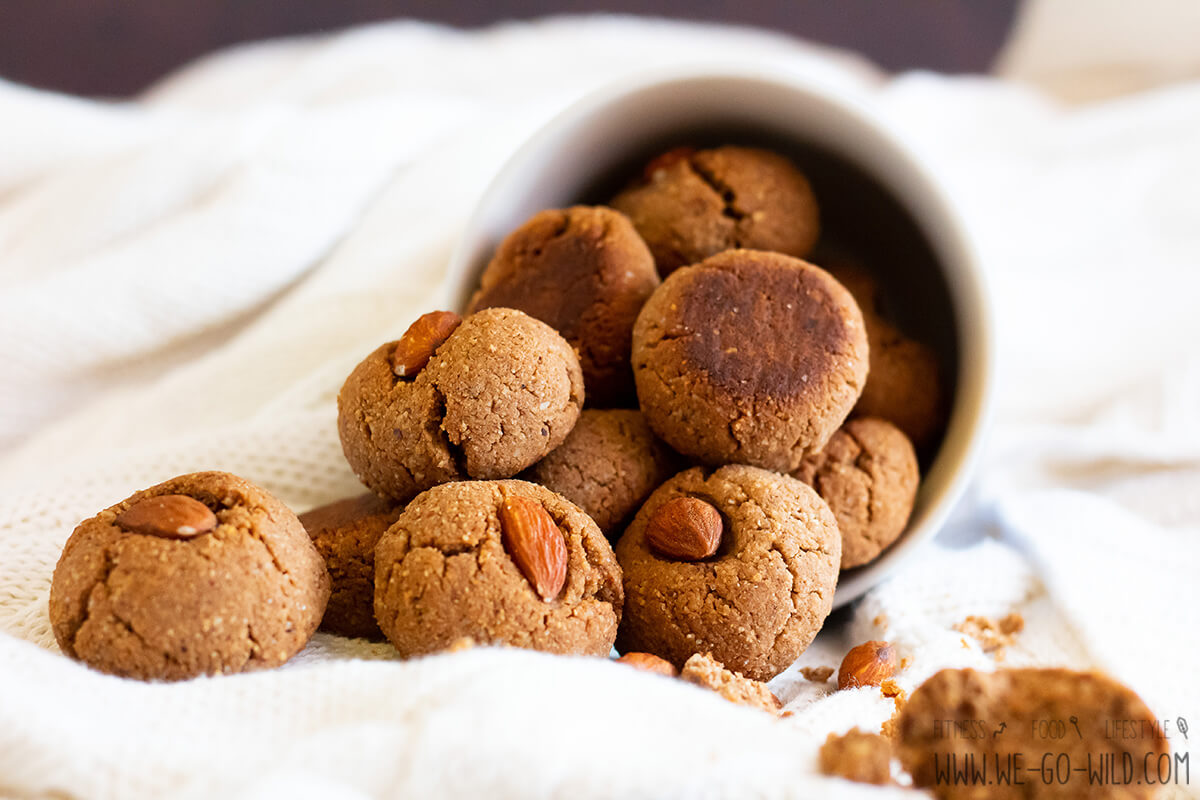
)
(857, 756)
(1050, 729)
(704, 670)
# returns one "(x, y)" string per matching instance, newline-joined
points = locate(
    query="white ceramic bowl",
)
(872, 192)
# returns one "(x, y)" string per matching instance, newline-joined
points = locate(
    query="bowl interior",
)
(877, 205)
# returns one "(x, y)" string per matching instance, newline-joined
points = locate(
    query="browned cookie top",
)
(758, 602)
(1012, 716)
(585, 272)
(502, 391)
(444, 571)
(345, 534)
(202, 574)
(868, 476)
(749, 357)
(691, 204)
(610, 462)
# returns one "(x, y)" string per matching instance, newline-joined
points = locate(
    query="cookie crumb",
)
(857, 756)
(892, 689)
(880, 621)
(703, 670)
(993, 635)
(817, 674)
(461, 644)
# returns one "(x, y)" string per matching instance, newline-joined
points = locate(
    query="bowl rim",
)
(925, 199)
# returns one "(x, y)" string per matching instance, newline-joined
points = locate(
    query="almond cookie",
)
(868, 476)
(345, 534)
(203, 574)
(501, 562)
(493, 396)
(749, 357)
(904, 384)
(691, 204)
(1058, 723)
(608, 465)
(740, 563)
(585, 272)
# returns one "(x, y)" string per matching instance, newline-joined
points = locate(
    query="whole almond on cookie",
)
(170, 516)
(422, 338)
(685, 529)
(535, 544)
(648, 662)
(869, 664)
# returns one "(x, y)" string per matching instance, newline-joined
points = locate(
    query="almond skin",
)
(685, 529)
(648, 662)
(869, 664)
(535, 544)
(170, 516)
(422, 338)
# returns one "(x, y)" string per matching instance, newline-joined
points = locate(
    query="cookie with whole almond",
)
(203, 574)
(691, 204)
(868, 476)
(750, 358)
(1072, 726)
(501, 562)
(608, 465)
(484, 397)
(739, 563)
(585, 272)
(345, 534)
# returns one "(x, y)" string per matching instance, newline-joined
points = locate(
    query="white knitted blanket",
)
(186, 279)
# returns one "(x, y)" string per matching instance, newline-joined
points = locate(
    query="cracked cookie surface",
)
(868, 476)
(345, 534)
(690, 205)
(756, 605)
(749, 357)
(501, 392)
(442, 573)
(247, 595)
(585, 272)
(608, 465)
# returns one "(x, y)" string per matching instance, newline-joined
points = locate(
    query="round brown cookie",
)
(749, 357)
(904, 384)
(608, 465)
(691, 204)
(868, 476)
(1043, 719)
(758, 602)
(447, 570)
(345, 534)
(503, 390)
(585, 272)
(205, 573)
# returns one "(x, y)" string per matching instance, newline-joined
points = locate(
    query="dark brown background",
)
(115, 47)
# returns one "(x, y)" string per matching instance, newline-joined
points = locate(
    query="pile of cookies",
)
(655, 425)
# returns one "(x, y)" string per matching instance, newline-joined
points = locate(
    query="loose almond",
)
(648, 662)
(422, 338)
(535, 544)
(685, 529)
(171, 516)
(869, 664)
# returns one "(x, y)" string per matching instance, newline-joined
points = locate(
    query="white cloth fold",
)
(185, 280)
